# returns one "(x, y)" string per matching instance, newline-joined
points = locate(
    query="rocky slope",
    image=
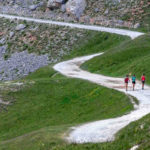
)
(25, 47)
(18, 39)
(115, 13)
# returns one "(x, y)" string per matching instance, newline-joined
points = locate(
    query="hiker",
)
(143, 80)
(133, 81)
(126, 80)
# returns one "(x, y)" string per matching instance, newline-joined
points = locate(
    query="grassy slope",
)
(129, 57)
(54, 103)
(98, 42)
(47, 138)
(55, 100)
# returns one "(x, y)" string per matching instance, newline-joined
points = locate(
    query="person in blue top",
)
(133, 81)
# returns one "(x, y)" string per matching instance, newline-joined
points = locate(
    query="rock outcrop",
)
(54, 3)
(19, 64)
(76, 7)
(20, 27)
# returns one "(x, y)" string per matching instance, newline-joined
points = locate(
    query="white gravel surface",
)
(135, 147)
(131, 34)
(104, 130)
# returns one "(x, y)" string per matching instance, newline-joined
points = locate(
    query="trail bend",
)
(103, 130)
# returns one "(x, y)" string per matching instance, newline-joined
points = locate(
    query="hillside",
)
(114, 13)
(40, 107)
(133, 58)
(48, 96)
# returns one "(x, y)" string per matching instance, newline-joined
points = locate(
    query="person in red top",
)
(126, 80)
(143, 80)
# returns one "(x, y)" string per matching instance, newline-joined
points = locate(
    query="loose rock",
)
(11, 34)
(76, 7)
(2, 41)
(20, 27)
(137, 25)
(54, 3)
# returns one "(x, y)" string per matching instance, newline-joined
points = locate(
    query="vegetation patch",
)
(54, 100)
(129, 57)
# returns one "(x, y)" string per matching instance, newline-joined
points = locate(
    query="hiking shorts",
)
(143, 82)
(133, 82)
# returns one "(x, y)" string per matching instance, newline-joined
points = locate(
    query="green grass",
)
(42, 112)
(128, 57)
(49, 138)
(98, 42)
(56, 101)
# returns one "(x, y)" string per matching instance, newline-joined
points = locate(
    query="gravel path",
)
(131, 34)
(104, 130)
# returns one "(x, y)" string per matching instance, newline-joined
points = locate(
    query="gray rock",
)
(63, 8)
(76, 7)
(20, 64)
(87, 19)
(2, 51)
(33, 7)
(96, 10)
(12, 2)
(59, 1)
(106, 12)
(137, 25)
(20, 27)
(40, 4)
(11, 34)
(120, 22)
(25, 3)
(2, 41)
(54, 3)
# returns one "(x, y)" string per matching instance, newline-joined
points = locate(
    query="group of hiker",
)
(133, 78)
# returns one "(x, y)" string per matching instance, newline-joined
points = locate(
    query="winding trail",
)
(103, 130)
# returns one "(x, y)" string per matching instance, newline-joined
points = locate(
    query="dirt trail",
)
(104, 130)
(132, 34)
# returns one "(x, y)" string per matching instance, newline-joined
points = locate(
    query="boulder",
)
(63, 8)
(11, 34)
(40, 4)
(33, 7)
(137, 25)
(96, 10)
(20, 27)
(2, 41)
(76, 7)
(2, 51)
(106, 12)
(54, 3)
